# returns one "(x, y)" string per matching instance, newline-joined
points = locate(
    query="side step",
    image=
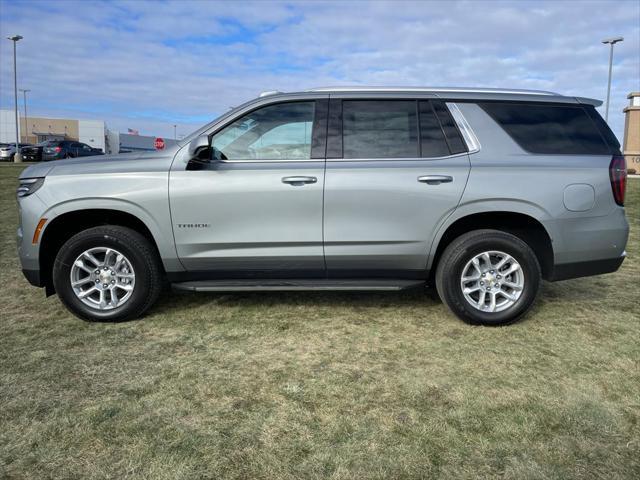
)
(253, 285)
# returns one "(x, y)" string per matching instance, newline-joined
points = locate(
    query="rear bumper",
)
(565, 271)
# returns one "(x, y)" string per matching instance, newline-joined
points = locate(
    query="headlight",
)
(29, 185)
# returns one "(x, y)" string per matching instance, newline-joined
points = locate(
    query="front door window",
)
(275, 132)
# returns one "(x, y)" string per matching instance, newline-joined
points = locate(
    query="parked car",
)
(57, 150)
(33, 153)
(8, 151)
(483, 193)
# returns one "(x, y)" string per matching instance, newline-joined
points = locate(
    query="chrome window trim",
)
(252, 160)
(398, 159)
(473, 144)
(388, 159)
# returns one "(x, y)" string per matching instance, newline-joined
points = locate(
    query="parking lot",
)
(321, 385)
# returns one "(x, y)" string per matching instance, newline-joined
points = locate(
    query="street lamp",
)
(26, 123)
(611, 41)
(174, 132)
(15, 39)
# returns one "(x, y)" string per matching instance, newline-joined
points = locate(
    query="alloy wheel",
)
(102, 278)
(492, 281)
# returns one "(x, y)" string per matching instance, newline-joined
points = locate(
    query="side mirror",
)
(199, 148)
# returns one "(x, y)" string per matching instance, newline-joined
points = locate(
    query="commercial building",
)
(134, 143)
(39, 129)
(631, 143)
(92, 132)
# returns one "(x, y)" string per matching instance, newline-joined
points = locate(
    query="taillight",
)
(58, 149)
(618, 177)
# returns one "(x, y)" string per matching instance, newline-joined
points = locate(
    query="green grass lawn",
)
(321, 385)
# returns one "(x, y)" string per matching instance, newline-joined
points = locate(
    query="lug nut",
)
(497, 285)
(97, 280)
(113, 281)
(498, 277)
(488, 288)
(97, 272)
(112, 272)
(104, 285)
(483, 274)
(481, 283)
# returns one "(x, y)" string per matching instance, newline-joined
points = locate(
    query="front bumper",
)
(31, 157)
(33, 277)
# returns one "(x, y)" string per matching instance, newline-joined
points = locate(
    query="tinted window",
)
(275, 132)
(454, 139)
(549, 129)
(432, 141)
(604, 129)
(379, 129)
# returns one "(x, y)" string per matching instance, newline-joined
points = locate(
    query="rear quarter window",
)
(549, 128)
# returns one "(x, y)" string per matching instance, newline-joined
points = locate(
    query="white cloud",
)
(150, 65)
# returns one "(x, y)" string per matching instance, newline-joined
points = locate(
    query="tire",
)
(458, 259)
(141, 262)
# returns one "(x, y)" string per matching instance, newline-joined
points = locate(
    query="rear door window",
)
(380, 129)
(432, 140)
(451, 132)
(549, 128)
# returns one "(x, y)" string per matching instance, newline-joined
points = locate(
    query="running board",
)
(253, 285)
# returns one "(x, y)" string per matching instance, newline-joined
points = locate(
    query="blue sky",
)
(150, 65)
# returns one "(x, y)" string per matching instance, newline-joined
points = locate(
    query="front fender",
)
(143, 195)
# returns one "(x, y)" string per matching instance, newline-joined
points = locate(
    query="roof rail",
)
(269, 92)
(431, 89)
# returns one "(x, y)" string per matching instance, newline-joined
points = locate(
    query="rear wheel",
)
(107, 273)
(488, 277)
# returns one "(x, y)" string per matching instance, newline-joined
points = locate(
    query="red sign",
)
(159, 143)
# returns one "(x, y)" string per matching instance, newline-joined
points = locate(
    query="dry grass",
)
(327, 385)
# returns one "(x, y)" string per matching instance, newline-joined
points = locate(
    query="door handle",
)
(299, 181)
(435, 179)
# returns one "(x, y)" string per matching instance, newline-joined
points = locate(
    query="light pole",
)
(612, 42)
(26, 123)
(174, 132)
(15, 39)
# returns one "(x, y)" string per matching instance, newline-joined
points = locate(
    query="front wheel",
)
(107, 273)
(488, 277)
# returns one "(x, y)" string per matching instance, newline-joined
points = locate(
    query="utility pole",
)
(26, 123)
(612, 42)
(17, 158)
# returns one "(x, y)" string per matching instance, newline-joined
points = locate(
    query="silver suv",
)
(481, 192)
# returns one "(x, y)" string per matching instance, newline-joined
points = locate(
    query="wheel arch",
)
(524, 226)
(65, 225)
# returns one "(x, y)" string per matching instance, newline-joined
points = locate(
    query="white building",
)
(38, 129)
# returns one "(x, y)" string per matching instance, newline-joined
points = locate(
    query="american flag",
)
(131, 131)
